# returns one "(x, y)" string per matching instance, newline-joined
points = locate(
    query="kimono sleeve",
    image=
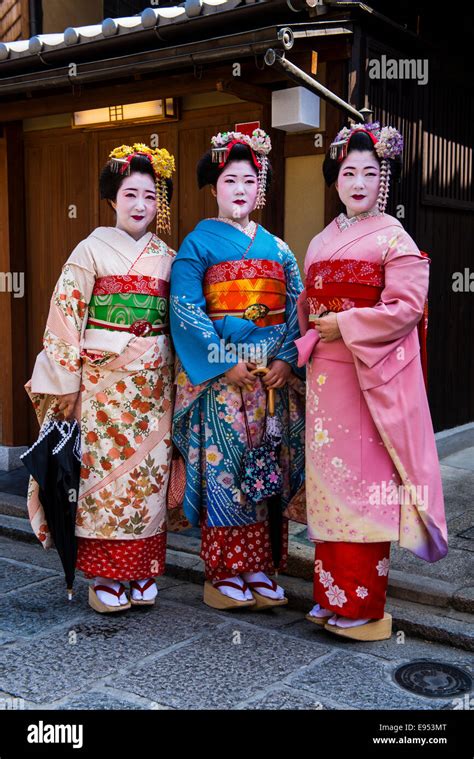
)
(195, 339)
(370, 332)
(294, 287)
(57, 369)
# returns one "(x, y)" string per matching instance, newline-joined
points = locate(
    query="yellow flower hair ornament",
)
(163, 166)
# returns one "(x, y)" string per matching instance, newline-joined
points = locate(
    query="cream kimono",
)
(107, 338)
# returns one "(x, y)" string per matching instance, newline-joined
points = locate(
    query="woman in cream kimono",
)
(372, 471)
(107, 360)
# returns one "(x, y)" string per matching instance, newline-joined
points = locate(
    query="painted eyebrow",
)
(246, 175)
(134, 189)
(353, 167)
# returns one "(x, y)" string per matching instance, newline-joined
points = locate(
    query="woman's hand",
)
(328, 327)
(66, 404)
(278, 375)
(240, 375)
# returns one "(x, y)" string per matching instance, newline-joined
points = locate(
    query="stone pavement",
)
(181, 654)
(431, 601)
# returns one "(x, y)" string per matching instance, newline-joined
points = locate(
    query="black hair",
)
(208, 172)
(359, 141)
(110, 181)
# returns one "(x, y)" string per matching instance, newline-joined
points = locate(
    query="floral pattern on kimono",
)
(125, 386)
(208, 425)
(372, 469)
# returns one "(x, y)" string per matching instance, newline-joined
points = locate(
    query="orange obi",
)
(253, 289)
(342, 284)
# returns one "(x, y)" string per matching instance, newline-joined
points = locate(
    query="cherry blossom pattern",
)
(382, 567)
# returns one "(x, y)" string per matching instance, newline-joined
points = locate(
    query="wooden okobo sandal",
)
(378, 629)
(213, 597)
(263, 602)
(98, 605)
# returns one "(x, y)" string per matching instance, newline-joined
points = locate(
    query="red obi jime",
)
(253, 289)
(343, 284)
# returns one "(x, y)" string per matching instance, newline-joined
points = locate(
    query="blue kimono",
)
(232, 298)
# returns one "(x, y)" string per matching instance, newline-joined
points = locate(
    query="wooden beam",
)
(244, 91)
(164, 85)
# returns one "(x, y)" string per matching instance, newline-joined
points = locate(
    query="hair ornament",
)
(163, 166)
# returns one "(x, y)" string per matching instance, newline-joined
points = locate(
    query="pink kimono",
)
(372, 469)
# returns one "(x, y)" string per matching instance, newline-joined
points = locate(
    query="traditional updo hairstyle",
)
(361, 141)
(208, 172)
(110, 181)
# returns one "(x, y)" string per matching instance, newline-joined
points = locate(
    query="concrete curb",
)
(403, 586)
(420, 620)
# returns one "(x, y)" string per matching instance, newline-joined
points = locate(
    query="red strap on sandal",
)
(261, 584)
(134, 584)
(230, 584)
(110, 590)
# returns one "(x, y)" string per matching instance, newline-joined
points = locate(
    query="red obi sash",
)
(131, 283)
(352, 283)
(253, 289)
(339, 285)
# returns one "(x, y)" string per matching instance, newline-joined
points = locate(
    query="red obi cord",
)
(351, 579)
(131, 283)
(136, 559)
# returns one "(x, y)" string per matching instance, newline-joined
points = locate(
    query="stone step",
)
(447, 626)
(401, 585)
(421, 620)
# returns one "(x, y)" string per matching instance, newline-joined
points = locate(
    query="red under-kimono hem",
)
(351, 578)
(229, 551)
(124, 560)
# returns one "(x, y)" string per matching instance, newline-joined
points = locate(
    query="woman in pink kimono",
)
(372, 471)
(107, 360)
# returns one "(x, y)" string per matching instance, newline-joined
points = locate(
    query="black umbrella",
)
(54, 462)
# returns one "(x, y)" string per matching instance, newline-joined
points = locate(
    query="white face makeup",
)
(358, 182)
(135, 204)
(236, 191)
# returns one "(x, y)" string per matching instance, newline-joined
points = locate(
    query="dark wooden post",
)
(13, 337)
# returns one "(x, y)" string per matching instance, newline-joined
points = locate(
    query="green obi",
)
(132, 312)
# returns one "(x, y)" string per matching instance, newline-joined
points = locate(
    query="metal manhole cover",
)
(433, 679)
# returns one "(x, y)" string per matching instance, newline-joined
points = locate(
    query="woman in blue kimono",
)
(234, 288)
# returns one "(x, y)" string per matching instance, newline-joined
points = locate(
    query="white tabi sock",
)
(237, 595)
(320, 613)
(277, 594)
(109, 598)
(148, 595)
(346, 622)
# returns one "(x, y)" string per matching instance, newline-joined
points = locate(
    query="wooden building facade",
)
(49, 169)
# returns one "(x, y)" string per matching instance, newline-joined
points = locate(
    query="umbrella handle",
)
(271, 393)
